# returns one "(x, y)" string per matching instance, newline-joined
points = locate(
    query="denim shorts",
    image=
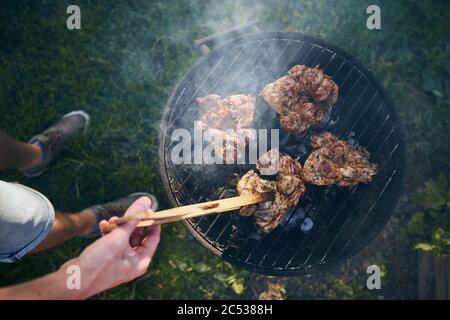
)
(26, 217)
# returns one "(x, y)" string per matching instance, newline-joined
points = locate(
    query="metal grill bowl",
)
(345, 219)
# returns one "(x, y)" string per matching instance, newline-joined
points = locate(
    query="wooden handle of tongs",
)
(189, 211)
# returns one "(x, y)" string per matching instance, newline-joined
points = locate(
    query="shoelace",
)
(53, 138)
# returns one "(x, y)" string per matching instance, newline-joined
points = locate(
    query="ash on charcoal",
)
(332, 123)
(242, 230)
(351, 138)
(292, 218)
(284, 138)
(307, 225)
(296, 150)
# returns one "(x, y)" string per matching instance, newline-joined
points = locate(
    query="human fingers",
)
(149, 245)
(142, 204)
(137, 236)
(113, 219)
(102, 224)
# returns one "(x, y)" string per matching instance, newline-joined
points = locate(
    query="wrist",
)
(76, 279)
(70, 281)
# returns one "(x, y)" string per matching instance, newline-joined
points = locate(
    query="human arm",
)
(118, 257)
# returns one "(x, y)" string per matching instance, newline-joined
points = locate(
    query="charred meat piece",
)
(288, 179)
(281, 93)
(251, 183)
(302, 98)
(233, 112)
(214, 112)
(315, 84)
(302, 116)
(337, 162)
(269, 214)
(242, 109)
(324, 139)
(284, 164)
(227, 145)
(288, 188)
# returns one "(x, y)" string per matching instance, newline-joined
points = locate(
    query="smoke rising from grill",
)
(143, 54)
(150, 61)
(137, 46)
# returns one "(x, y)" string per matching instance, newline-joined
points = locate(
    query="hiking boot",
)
(52, 140)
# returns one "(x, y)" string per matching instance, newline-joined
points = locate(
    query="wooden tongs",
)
(190, 211)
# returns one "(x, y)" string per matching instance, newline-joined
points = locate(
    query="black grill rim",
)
(395, 119)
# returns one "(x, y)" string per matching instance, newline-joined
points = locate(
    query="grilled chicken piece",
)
(227, 145)
(314, 83)
(302, 98)
(285, 165)
(337, 162)
(324, 139)
(251, 183)
(232, 112)
(288, 188)
(281, 93)
(242, 109)
(301, 116)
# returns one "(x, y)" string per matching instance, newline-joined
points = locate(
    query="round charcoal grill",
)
(344, 220)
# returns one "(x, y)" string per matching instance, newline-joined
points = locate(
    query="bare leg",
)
(16, 154)
(67, 226)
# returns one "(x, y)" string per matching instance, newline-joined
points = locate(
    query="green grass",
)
(121, 68)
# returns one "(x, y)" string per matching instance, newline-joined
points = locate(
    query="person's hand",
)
(120, 256)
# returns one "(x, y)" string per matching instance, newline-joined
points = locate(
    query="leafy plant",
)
(431, 226)
(342, 283)
(235, 280)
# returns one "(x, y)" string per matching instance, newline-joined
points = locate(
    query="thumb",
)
(143, 204)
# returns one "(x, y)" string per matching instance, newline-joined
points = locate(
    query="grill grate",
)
(345, 219)
(302, 140)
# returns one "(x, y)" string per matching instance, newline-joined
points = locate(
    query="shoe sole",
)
(87, 117)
